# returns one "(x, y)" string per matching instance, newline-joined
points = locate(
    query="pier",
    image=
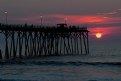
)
(20, 41)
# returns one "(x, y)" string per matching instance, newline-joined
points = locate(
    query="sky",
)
(104, 15)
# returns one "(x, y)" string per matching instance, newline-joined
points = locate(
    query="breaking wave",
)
(15, 80)
(58, 63)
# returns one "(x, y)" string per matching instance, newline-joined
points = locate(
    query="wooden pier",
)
(35, 41)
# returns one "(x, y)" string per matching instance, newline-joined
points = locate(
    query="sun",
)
(98, 35)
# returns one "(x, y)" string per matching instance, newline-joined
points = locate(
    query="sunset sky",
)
(94, 13)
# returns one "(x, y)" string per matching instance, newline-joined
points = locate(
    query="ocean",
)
(103, 64)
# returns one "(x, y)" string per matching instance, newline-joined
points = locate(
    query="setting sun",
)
(98, 35)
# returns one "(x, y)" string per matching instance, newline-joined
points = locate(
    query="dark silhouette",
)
(0, 54)
(30, 40)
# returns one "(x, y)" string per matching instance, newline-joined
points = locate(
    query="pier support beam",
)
(0, 54)
(34, 41)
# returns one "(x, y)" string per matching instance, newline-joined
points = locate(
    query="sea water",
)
(102, 64)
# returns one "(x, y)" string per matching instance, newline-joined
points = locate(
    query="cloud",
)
(119, 9)
(108, 13)
(71, 19)
(112, 13)
(106, 19)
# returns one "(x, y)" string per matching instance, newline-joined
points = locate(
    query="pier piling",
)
(35, 41)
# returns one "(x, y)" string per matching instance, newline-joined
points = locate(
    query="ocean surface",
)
(102, 64)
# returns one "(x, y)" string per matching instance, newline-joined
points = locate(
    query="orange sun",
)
(98, 35)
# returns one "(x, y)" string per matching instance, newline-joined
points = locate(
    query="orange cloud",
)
(71, 19)
(82, 19)
(104, 30)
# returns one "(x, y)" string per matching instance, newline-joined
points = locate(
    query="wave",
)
(15, 80)
(58, 63)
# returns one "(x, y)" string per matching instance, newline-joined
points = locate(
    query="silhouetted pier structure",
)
(36, 41)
